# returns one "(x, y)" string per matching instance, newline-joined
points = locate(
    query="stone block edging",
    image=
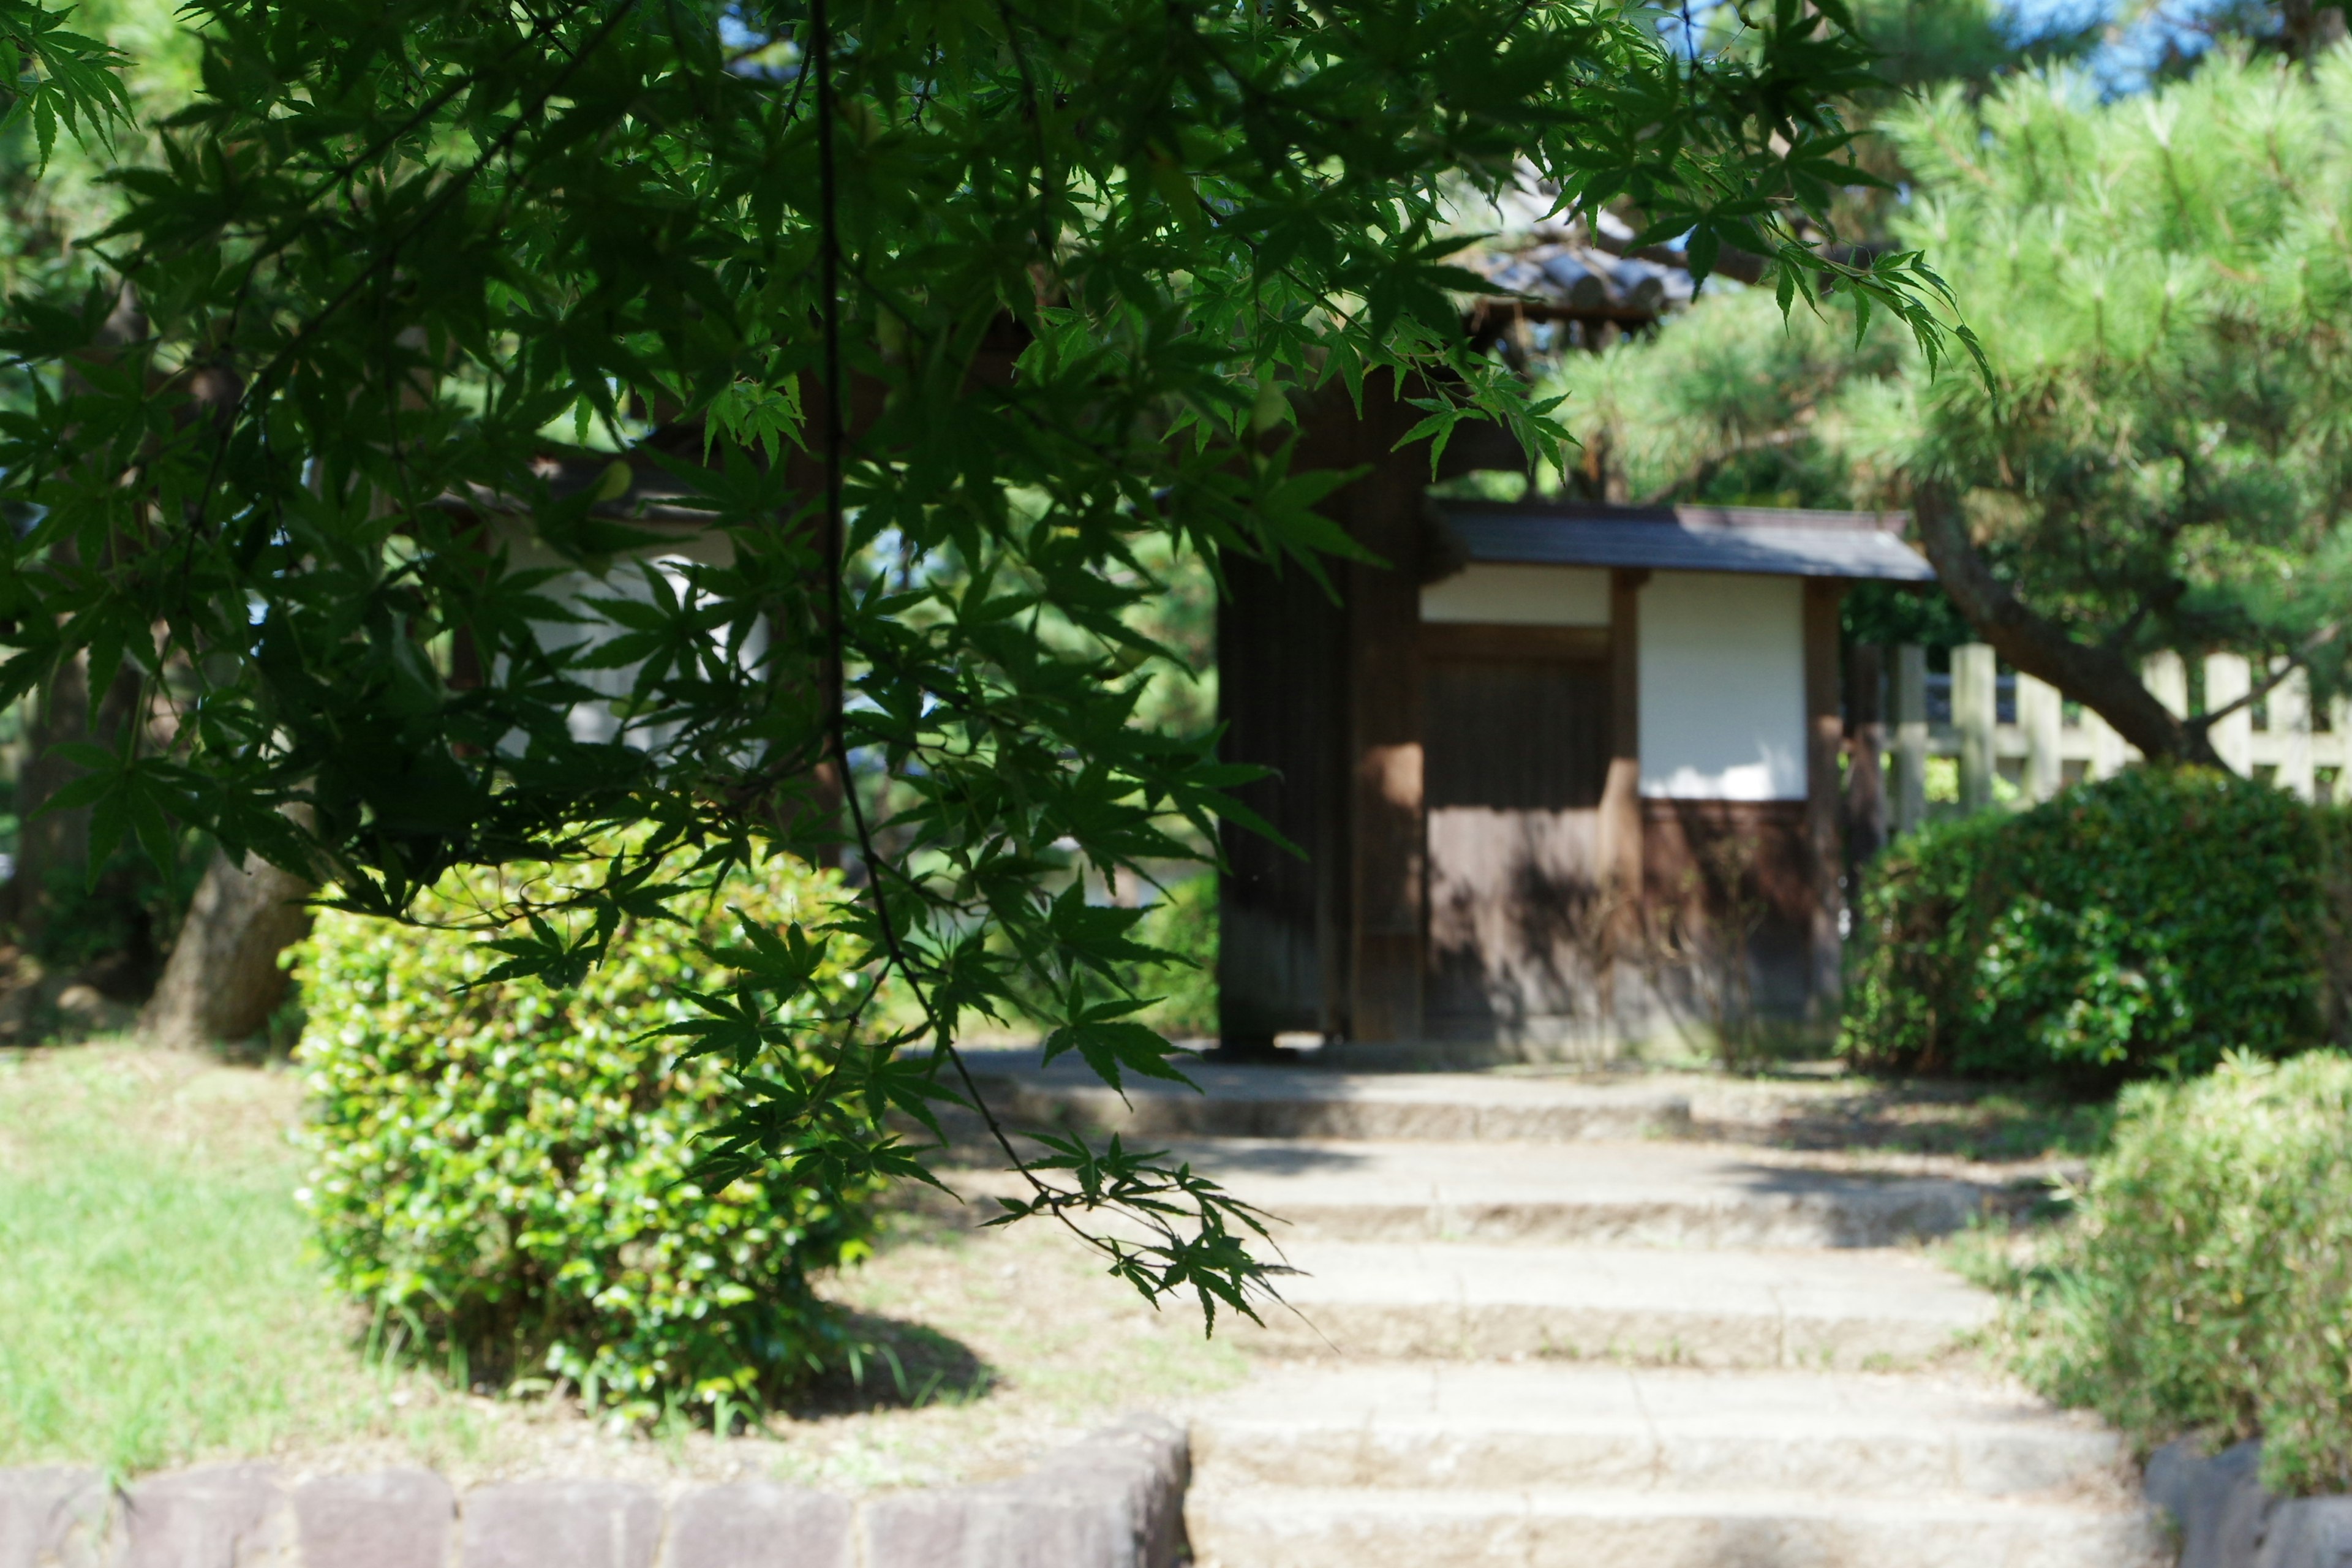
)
(2228, 1519)
(1114, 1500)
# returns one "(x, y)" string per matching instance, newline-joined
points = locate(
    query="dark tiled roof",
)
(1577, 278)
(1785, 542)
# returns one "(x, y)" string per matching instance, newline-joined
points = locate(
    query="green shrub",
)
(2208, 1283)
(1185, 922)
(501, 1171)
(2145, 923)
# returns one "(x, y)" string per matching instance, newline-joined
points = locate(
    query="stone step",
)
(1725, 1308)
(1347, 1528)
(1650, 1194)
(1308, 1102)
(1534, 1425)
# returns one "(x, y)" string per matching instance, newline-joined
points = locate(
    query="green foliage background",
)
(2146, 924)
(2207, 1285)
(1182, 923)
(448, 376)
(503, 1172)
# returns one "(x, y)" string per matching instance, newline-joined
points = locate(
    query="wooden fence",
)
(2041, 746)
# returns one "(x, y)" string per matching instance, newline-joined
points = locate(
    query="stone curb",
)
(1114, 1500)
(2228, 1521)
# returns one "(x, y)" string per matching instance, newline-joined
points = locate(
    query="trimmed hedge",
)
(500, 1173)
(2207, 1285)
(2143, 924)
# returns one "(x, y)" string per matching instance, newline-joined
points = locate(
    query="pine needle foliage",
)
(2160, 456)
(2164, 453)
(1725, 403)
(922, 321)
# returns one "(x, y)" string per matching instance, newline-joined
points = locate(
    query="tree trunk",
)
(2098, 678)
(223, 981)
(60, 713)
(47, 841)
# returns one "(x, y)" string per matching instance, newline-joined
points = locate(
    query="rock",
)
(561, 1524)
(392, 1518)
(2308, 1532)
(756, 1524)
(217, 1516)
(53, 1515)
(2228, 1519)
(1115, 1500)
(1132, 1474)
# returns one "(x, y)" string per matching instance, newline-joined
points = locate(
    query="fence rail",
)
(2041, 748)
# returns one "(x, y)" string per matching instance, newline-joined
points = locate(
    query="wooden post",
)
(1975, 711)
(1383, 616)
(2041, 714)
(1865, 780)
(1620, 791)
(1388, 873)
(1825, 740)
(2167, 679)
(2228, 678)
(2291, 723)
(1910, 737)
(1286, 954)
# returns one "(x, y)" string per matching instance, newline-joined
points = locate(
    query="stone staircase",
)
(1587, 1464)
(1538, 1326)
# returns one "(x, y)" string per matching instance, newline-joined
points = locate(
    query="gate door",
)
(1515, 726)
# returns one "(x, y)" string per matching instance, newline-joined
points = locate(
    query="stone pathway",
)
(1538, 1326)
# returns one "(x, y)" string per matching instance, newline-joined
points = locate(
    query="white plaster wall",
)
(1520, 597)
(1723, 686)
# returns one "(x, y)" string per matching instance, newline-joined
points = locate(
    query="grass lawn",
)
(158, 1305)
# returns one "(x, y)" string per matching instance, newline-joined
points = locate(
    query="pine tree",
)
(2160, 458)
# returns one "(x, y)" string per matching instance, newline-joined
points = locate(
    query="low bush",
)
(2207, 1284)
(2143, 924)
(501, 1173)
(1185, 923)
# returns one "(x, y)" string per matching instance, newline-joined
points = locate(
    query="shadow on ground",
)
(888, 1363)
(1966, 1121)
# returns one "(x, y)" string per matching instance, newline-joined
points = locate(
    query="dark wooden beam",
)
(1387, 873)
(1825, 740)
(1478, 641)
(1620, 795)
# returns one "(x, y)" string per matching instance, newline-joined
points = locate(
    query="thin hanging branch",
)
(834, 438)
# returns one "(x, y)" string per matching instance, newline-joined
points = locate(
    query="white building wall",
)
(1519, 596)
(1723, 687)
